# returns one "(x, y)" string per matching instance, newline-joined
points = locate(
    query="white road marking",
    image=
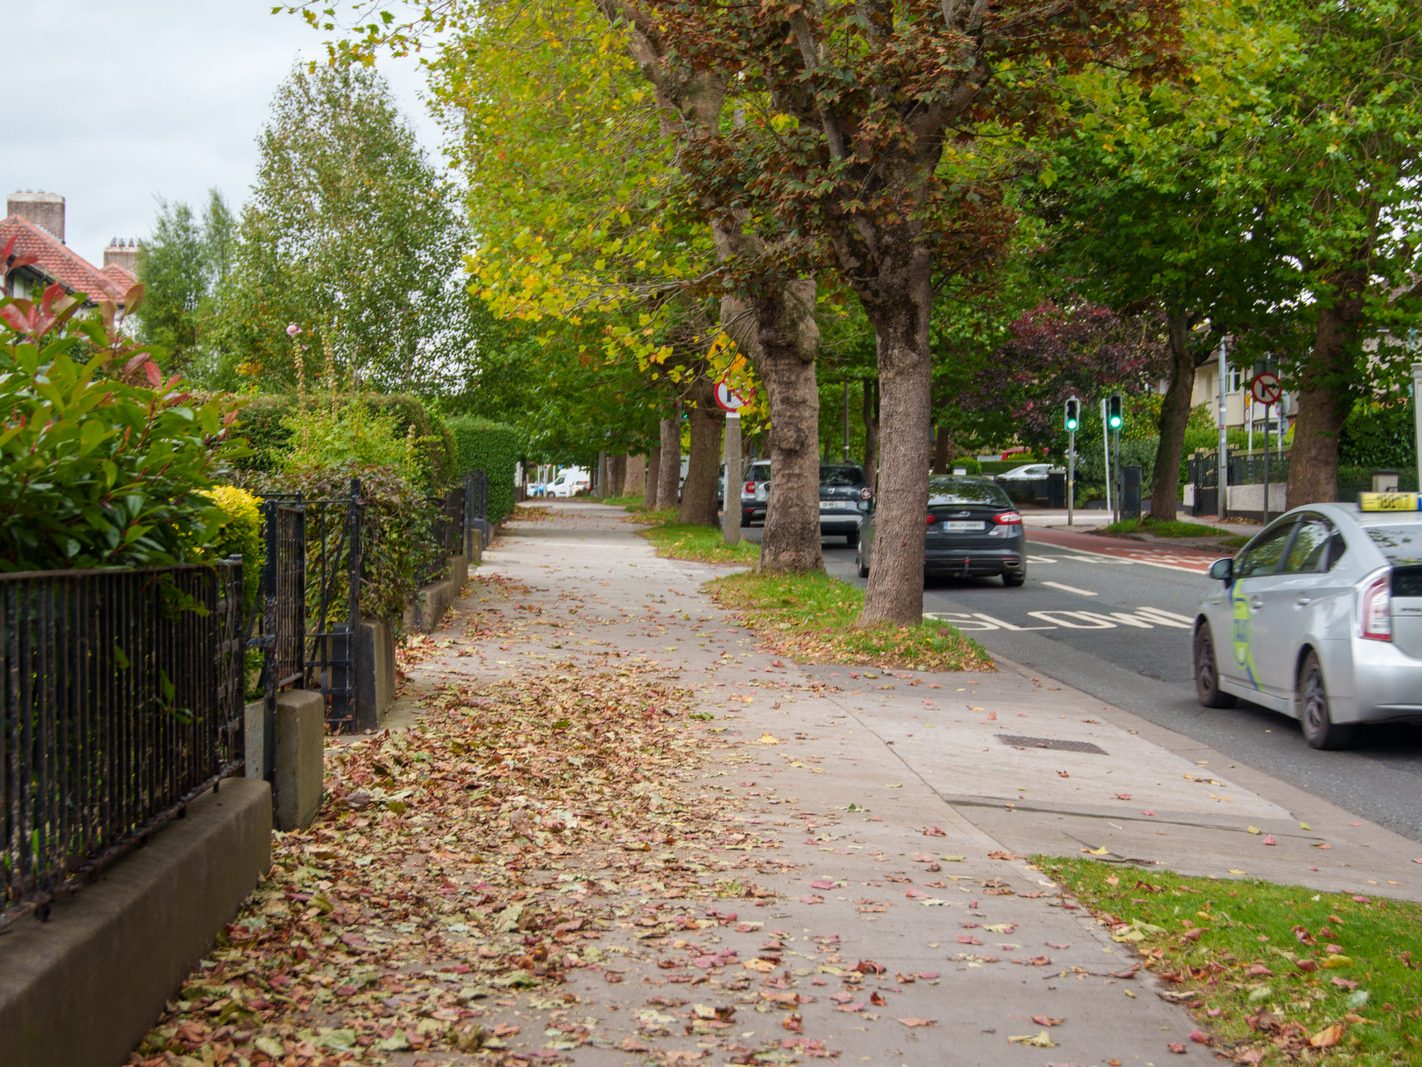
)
(1150, 559)
(1143, 618)
(1067, 588)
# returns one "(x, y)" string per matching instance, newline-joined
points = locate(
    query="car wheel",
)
(852, 538)
(1319, 729)
(1207, 672)
(745, 521)
(1014, 579)
(861, 561)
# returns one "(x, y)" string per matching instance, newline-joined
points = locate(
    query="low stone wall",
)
(85, 986)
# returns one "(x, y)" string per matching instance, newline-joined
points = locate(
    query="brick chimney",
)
(122, 252)
(43, 209)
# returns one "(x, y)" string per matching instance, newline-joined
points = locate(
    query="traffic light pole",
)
(1106, 451)
(1071, 475)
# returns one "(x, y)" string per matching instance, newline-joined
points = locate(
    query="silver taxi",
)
(1320, 617)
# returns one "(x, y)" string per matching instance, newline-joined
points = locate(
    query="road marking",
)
(1067, 588)
(1167, 560)
(1143, 618)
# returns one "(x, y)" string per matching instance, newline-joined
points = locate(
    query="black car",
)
(971, 529)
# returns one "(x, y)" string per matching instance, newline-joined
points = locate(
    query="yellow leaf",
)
(1333, 963)
(1253, 830)
(758, 964)
(1102, 851)
(1042, 1039)
(769, 739)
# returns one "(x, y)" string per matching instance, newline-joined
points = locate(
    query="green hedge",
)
(493, 448)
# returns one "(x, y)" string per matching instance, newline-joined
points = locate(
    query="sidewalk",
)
(884, 907)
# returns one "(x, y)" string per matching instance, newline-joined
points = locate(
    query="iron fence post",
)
(356, 562)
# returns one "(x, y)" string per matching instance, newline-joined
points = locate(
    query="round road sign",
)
(728, 398)
(1265, 388)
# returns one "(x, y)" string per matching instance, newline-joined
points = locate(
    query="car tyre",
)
(1311, 694)
(861, 562)
(1207, 672)
(1014, 579)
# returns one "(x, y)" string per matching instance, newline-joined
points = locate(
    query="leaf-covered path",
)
(604, 828)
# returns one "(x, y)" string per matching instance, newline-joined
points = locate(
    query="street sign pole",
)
(1106, 451)
(731, 512)
(1267, 409)
(1071, 475)
(1417, 414)
(1223, 455)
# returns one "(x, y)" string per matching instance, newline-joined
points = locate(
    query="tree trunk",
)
(1325, 397)
(669, 477)
(871, 431)
(617, 475)
(634, 478)
(602, 478)
(900, 314)
(777, 331)
(1174, 414)
(698, 495)
(653, 472)
(943, 451)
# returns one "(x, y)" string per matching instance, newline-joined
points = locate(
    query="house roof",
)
(55, 260)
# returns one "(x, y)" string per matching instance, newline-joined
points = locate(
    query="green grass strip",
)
(811, 618)
(1279, 973)
(705, 544)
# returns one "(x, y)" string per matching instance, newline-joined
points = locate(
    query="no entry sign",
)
(1265, 388)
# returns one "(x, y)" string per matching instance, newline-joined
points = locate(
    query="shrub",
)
(261, 420)
(239, 533)
(96, 469)
(396, 538)
(1379, 438)
(493, 448)
(432, 439)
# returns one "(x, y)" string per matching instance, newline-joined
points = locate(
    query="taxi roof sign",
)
(1390, 501)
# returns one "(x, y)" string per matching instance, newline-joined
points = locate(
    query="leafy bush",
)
(493, 448)
(396, 537)
(967, 463)
(432, 439)
(239, 533)
(1379, 438)
(348, 433)
(261, 420)
(96, 469)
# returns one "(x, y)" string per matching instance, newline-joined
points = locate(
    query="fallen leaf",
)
(1041, 1039)
(1047, 1020)
(1327, 1037)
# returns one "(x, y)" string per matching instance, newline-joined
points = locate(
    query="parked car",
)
(1319, 617)
(570, 482)
(842, 491)
(755, 492)
(971, 529)
(1028, 472)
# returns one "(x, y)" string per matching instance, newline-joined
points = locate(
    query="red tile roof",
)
(56, 260)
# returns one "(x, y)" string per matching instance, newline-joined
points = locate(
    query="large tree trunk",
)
(698, 495)
(1325, 396)
(943, 451)
(653, 473)
(669, 476)
(778, 333)
(1174, 414)
(871, 431)
(900, 314)
(617, 475)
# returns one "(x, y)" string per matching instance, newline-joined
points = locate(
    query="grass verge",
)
(810, 617)
(705, 544)
(1275, 973)
(1175, 528)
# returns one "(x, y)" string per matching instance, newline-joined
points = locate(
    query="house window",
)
(1236, 379)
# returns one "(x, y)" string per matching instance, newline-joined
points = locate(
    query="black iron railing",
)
(120, 702)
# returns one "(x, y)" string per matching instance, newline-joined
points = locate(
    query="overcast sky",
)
(116, 103)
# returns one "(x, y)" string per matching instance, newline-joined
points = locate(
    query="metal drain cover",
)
(1018, 741)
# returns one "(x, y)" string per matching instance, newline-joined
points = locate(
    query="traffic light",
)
(1073, 414)
(1113, 411)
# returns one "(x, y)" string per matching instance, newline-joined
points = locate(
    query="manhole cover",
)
(1018, 741)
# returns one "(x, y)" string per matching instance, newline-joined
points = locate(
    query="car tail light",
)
(1008, 518)
(1375, 609)
(931, 519)
(749, 489)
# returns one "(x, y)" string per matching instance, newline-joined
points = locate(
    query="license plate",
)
(829, 505)
(956, 526)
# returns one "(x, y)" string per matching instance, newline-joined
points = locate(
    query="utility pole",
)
(1106, 451)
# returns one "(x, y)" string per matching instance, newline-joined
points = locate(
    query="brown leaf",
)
(1327, 1037)
(912, 1022)
(1047, 1020)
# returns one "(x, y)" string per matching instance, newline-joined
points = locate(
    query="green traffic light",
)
(1113, 411)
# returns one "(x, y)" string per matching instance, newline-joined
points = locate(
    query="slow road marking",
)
(1143, 618)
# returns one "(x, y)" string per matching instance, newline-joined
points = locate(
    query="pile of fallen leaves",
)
(483, 851)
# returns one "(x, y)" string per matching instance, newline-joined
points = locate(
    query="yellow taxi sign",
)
(1390, 501)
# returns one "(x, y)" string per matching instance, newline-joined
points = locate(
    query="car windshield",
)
(840, 477)
(965, 491)
(1400, 544)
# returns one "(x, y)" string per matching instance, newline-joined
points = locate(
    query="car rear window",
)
(840, 477)
(953, 491)
(1400, 544)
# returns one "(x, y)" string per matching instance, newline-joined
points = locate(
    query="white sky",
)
(115, 103)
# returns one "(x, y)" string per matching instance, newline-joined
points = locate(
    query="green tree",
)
(182, 265)
(352, 235)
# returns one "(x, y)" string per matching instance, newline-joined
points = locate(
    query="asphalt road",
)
(1114, 620)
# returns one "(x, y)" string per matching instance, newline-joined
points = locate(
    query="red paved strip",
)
(1191, 559)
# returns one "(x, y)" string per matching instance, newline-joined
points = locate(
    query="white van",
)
(570, 482)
